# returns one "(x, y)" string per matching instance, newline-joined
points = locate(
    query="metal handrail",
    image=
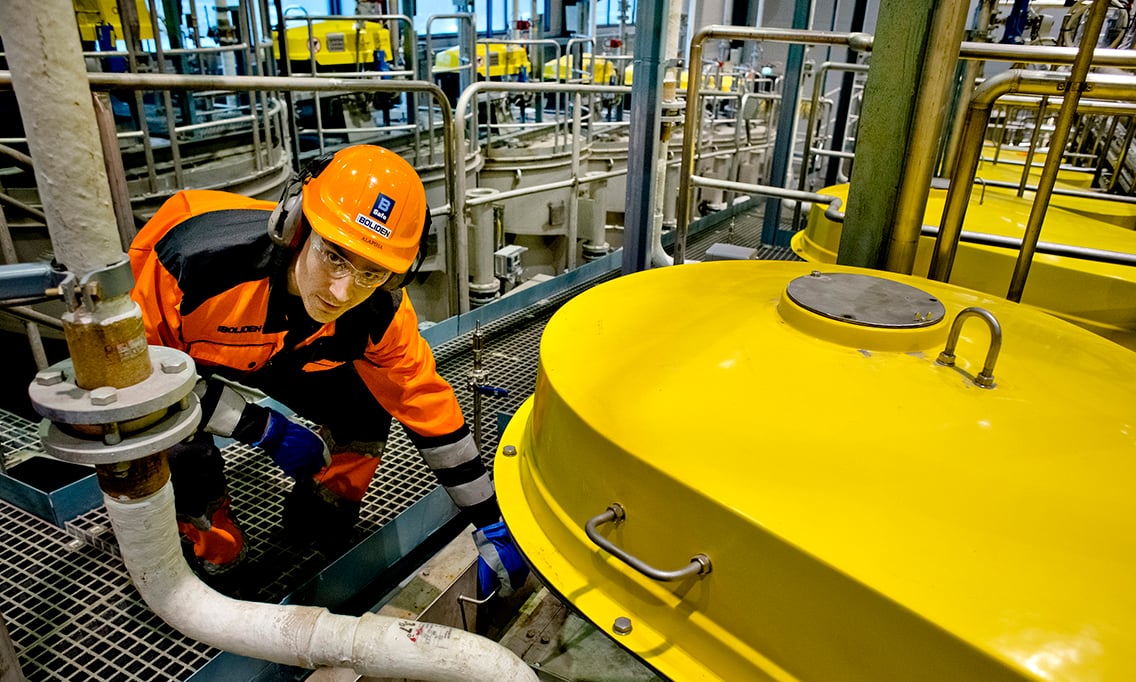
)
(164, 81)
(855, 41)
(458, 200)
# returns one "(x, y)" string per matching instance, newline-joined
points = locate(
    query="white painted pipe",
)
(306, 636)
(659, 257)
(482, 280)
(41, 43)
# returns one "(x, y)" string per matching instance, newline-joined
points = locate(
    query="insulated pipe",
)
(939, 60)
(855, 41)
(306, 636)
(62, 136)
(1041, 83)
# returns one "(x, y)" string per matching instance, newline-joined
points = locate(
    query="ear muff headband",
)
(285, 222)
(399, 282)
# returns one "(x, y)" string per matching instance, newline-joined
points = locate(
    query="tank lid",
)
(866, 300)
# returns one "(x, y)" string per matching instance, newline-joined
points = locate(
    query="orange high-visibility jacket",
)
(211, 283)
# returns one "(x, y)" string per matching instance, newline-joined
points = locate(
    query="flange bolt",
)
(49, 377)
(175, 366)
(104, 395)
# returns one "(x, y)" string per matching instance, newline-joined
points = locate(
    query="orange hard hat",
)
(371, 202)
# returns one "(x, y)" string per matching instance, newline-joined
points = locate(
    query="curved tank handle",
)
(699, 563)
(985, 378)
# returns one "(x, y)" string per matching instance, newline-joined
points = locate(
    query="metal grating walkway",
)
(68, 602)
(67, 599)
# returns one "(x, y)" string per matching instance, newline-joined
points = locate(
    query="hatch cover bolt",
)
(104, 395)
(814, 273)
(509, 451)
(622, 626)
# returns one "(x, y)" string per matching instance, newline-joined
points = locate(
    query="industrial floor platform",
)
(70, 608)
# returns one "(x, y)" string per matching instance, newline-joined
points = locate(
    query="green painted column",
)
(902, 30)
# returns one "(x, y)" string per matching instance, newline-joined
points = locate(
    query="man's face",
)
(325, 277)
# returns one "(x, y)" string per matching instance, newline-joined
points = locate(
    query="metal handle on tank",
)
(699, 563)
(985, 378)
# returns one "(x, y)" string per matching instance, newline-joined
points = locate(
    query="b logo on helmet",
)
(382, 208)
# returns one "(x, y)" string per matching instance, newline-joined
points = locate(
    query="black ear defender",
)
(394, 283)
(284, 223)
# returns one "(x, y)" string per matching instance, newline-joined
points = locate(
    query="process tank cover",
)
(866, 300)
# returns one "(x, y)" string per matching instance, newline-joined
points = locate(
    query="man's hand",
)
(499, 566)
(297, 450)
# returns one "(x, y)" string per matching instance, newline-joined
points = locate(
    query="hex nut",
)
(174, 366)
(49, 377)
(622, 626)
(104, 395)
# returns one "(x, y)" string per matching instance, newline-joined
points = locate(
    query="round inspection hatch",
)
(866, 300)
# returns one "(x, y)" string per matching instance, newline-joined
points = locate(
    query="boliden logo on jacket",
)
(246, 329)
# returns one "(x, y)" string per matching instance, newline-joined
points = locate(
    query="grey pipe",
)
(940, 57)
(971, 70)
(1040, 54)
(855, 41)
(1039, 83)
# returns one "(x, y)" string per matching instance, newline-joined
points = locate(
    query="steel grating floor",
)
(70, 608)
(68, 602)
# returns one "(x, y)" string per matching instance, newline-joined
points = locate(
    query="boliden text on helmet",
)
(366, 222)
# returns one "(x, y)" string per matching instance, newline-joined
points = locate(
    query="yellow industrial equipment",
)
(91, 14)
(337, 43)
(502, 61)
(570, 68)
(709, 80)
(834, 475)
(1098, 296)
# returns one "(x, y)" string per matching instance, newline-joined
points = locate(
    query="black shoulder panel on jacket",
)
(214, 252)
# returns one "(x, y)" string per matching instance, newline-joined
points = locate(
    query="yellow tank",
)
(503, 60)
(566, 68)
(337, 43)
(845, 506)
(1100, 297)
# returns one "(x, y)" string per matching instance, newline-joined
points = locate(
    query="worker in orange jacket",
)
(302, 300)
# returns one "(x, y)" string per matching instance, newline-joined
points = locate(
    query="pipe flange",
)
(56, 397)
(174, 427)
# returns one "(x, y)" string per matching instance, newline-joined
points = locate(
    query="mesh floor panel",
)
(70, 607)
(68, 602)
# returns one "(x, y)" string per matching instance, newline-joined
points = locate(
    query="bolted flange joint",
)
(108, 424)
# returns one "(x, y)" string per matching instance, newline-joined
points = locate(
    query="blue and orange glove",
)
(499, 564)
(296, 449)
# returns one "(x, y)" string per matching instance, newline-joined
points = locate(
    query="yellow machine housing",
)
(867, 512)
(709, 80)
(1098, 296)
(90, 14)
(502, 61)
(337, 43)
(566, 68)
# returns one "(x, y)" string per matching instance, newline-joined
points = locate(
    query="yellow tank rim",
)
(869, 513)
